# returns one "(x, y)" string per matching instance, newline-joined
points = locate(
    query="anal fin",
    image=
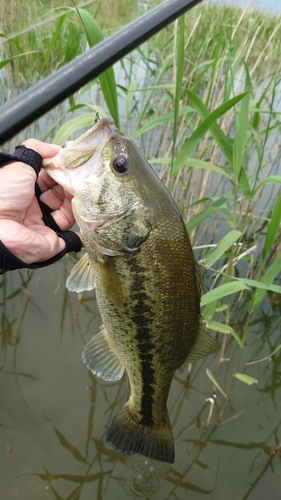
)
(101, 357)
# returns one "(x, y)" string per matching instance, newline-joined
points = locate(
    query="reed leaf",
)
(107, 79)
(259, 284)
(133, 87)
(271, 179)
(223, 291)
(267, 279)
(85, 120)
(179, 78)
(273, 227)
(226, 242)
(266, 357)
(244, 184)
(195, 221)
(215, 382)
(168, 87)
(241, 127)
(206, 165)
(51, 45)
(222, 140)
(192, 142)
(160, 120)
(246, 378)
(216, 326)
(165, 66)
(4, 62)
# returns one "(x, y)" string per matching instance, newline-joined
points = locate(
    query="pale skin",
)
(22, 229)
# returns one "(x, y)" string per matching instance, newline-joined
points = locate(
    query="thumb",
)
(45, 149)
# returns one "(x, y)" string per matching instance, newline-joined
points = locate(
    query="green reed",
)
(208, 106)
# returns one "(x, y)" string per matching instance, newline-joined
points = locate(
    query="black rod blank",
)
(43, 96)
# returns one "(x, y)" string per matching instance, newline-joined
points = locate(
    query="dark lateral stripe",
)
(142, 319)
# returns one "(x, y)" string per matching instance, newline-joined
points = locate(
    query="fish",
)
(148, 285)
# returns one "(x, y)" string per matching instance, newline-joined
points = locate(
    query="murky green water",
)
(54, 413)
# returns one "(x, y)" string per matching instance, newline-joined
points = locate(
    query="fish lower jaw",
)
(62, 177)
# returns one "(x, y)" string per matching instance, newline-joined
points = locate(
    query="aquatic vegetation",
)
(212, 142)
(202, 100)
(210, 112)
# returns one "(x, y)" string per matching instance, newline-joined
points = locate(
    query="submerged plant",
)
(202, 96)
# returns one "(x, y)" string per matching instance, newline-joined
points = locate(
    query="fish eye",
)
(121, 164)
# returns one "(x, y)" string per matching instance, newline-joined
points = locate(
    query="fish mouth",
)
(81, 159)
(95, 136)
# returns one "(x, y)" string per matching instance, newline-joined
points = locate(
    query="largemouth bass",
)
(148, 285)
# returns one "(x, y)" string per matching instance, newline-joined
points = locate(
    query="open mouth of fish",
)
(93, 138)
(81, 158)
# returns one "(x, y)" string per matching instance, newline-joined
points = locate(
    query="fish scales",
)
(148, 285)
(150, 317)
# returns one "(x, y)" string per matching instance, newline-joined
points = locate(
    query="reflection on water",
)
(54, 413)
(142, 476)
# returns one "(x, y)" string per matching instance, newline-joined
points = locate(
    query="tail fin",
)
(128, 436)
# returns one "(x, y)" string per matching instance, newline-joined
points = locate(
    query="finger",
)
(45, 149)
(46, 182)
(53, 197)
(64, 216)
(34, 243)
(73, 241)
(60, 203)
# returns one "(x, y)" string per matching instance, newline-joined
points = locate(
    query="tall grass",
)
(202, 100)
(49, 34)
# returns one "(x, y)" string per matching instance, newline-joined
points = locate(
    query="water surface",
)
(54, 413)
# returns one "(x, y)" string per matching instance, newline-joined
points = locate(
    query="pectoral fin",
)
(203, 346)
(101, 357)
(82, 275)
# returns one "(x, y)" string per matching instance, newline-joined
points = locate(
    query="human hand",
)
(22, 229)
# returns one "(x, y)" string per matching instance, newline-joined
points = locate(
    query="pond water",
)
(54, 413)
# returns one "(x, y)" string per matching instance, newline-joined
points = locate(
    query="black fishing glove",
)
(8, 261)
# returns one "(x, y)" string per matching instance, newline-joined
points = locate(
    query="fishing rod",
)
(43, 96)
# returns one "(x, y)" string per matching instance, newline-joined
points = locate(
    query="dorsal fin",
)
(203, 346)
